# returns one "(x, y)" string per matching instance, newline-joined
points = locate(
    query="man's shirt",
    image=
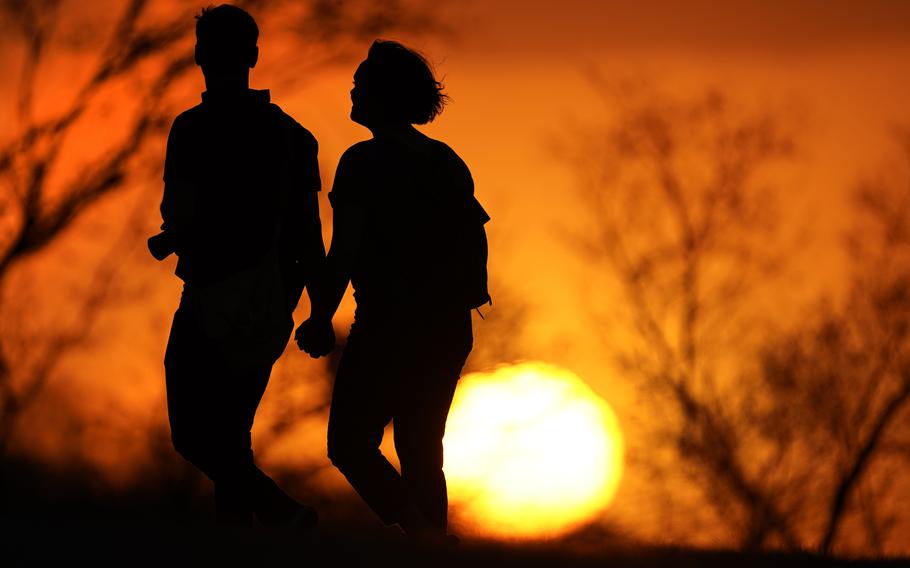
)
(238, 168)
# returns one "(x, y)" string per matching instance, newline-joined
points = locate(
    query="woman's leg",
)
(361, 409)
(425, 396)
(419, 428)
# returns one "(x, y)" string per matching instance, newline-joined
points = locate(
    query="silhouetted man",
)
(240, 211)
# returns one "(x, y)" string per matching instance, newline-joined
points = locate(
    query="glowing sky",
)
(516, 71)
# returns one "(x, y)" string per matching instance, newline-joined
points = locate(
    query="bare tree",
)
(51, 173)
(682, 212)
(843, 377)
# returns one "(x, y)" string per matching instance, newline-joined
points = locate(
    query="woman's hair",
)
(403, 82)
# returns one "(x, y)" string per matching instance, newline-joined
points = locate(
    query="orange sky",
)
(516, 73)
(517, 76)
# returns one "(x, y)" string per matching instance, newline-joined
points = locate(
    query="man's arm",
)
(178, 202)
(311, 253)
(302, 224)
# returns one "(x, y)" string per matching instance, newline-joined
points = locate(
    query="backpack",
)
(471, 252)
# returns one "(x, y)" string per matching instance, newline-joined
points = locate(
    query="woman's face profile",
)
(360, 102)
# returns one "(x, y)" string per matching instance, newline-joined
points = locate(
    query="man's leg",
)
(235, 475)
(270, 503)
(359, 412)
(191, 392)
(211, 406)
(197, 399)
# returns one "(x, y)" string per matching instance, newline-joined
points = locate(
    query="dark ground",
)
(74, 519)
(109, 542)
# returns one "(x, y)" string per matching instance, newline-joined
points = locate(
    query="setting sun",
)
(447, 282)
(531, 452)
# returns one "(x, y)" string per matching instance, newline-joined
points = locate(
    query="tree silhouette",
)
(682, 213)
(843, 377)
(101, 134)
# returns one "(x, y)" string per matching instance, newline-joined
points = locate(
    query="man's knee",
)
(189, 447)
(195, 447)
(216, 456)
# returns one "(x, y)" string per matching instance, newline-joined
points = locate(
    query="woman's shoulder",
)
(359, 151)
(451, 157)
(356, 164)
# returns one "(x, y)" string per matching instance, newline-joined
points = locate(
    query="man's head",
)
(226, 39)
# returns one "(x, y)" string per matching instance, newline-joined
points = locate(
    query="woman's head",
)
(395, 85)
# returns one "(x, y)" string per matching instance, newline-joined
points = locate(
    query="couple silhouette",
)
(240, 210)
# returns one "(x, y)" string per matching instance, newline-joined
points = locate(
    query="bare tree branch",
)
(659, 229)
(152, 49)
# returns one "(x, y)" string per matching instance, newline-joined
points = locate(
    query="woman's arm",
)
(348, 222)
(316, 335)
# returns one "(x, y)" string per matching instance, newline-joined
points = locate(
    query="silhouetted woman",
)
(400, 202)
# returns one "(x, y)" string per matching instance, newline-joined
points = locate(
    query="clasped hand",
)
(316, 338)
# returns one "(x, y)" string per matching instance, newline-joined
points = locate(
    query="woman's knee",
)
(348, 451)
(344, 450)
(419, 453)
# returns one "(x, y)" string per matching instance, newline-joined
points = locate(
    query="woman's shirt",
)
(412, 199)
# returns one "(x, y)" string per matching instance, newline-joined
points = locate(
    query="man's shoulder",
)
(187, 121)
(293, 128)
(189, 116)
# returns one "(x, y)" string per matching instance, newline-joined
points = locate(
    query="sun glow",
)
(531, 452)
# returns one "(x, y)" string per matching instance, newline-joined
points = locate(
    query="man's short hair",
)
(226, 34)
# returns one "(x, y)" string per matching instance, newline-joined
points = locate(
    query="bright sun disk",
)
(531, 452)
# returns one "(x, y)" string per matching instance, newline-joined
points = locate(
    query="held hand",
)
(161, 245)
(316, 338)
